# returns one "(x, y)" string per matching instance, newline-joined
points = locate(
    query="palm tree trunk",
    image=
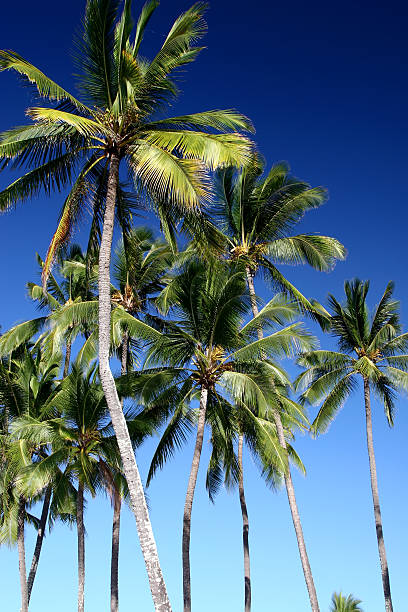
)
(245, 527)
(376, 500)
(124, 357)
(188, 505)
(117, 503)
(81, 546)
(137, 498)
(67, 357)
(290, 490)
(21, 553)
(39, 542)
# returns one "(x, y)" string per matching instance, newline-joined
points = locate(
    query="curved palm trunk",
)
(39, 542)
(81, 547)
(188, 505)
(376, 500)
(245, 527)
(138, 501)
(290, 490)
(21, 554)
(117, 503)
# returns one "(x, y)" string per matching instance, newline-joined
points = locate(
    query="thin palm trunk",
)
(39, 542)
(245, 527)
(117, 503)
(137, 497)
(376, 500)
(21, 554)
(67, 357)
(81, 546)
(290, 490)
(188, 505)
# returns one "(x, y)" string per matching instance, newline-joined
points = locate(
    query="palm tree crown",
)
(372, 348)
(341, 603)
(72, 143)
(257, 214)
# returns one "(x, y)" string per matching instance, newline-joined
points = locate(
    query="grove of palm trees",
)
(197, 338)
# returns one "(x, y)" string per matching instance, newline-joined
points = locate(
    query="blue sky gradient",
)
(325, 84)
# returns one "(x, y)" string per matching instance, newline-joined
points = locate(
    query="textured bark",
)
(81, 547)
(39, 542)
(117, 503)
(67, 358)
(137, 498)
(288, 478)
(21, 554)
(376, 500)
(189, 500)
(245, 527)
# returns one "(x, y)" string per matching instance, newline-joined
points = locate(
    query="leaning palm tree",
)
(341, 603)
(213, 357)
(371, 350)
(116, 125)
(257, 214)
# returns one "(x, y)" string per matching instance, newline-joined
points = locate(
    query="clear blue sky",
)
(325, 84)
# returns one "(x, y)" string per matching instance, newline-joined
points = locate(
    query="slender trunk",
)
(124, 357)
(288, 478)
(39, 542)
(189, 500)
(67, 358)
(137, 498)
(21, 554)
(376, 500)
(81, 547)
(117, 503)
(245, 527)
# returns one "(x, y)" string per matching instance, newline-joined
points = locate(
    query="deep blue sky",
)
(325, 84)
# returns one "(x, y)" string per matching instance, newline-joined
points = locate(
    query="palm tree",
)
(259, 432)
(114, 125)
(340, 603)
(257, 214)
(212, 356)
(28, 388)
(79, 433)
(370, 350)
(80, 436)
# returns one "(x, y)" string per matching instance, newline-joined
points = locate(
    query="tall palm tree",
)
(116, 125)
(341, 603)
(259, 432)
(371, 349)
(257, 213)
(213, 356)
